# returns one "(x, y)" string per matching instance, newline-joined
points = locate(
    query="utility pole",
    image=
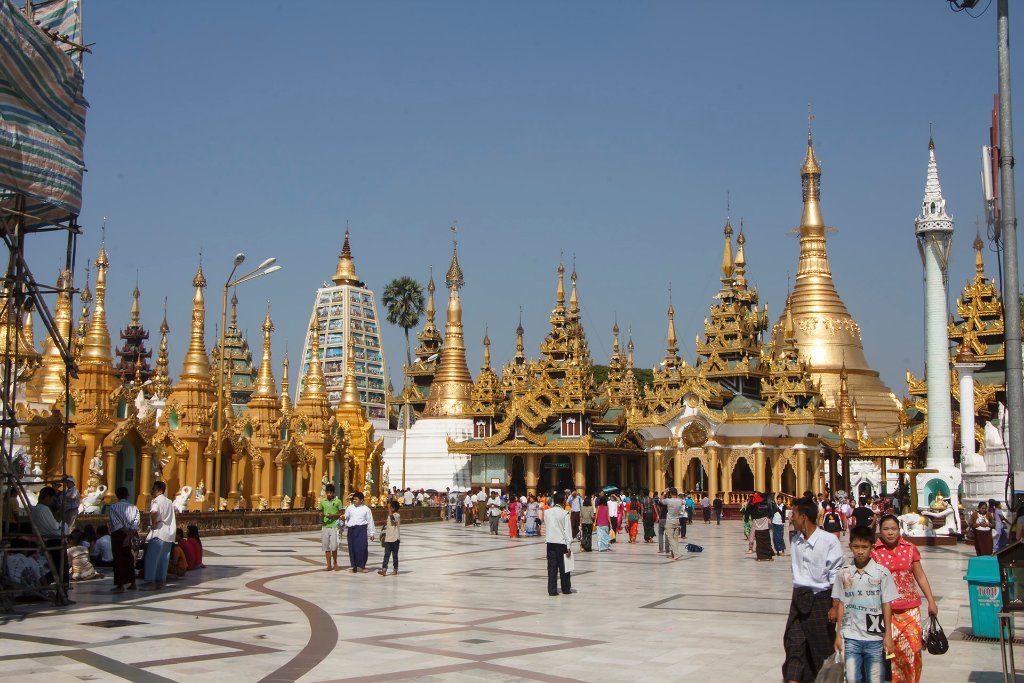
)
(1011, 281)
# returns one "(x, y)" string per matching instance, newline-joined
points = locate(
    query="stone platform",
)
(467, 606)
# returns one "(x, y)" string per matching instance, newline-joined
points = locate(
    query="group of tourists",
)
(875, 600)
(357, 520)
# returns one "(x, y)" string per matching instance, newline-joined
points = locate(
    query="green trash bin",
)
(985, 595)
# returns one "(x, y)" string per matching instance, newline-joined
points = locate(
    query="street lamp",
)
(265, 268)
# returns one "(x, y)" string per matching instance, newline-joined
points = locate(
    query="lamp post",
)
(265, 268)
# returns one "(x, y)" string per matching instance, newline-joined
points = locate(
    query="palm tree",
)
(403, 297)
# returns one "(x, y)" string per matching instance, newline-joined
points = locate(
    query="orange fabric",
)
(908, 662)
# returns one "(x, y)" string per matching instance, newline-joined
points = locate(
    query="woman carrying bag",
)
(391, 538)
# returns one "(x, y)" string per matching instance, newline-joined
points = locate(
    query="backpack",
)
(831, 522)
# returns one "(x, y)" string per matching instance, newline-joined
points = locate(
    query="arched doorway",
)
(128, 469)
(788, 481)
(742, 476)
(696, 478)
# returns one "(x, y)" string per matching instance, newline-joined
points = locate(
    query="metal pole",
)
(1011, 283)
(405, 426)
(220, 396)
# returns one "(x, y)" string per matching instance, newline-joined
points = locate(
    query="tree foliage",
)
(404, 300)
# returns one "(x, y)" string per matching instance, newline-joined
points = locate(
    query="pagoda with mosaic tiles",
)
(342, 310)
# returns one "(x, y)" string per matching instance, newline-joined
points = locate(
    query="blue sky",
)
(608, 130)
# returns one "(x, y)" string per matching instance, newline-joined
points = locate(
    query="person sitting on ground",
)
(179, 563)
(88, 537)
(102, 553)
(78, 556)
(192, 545)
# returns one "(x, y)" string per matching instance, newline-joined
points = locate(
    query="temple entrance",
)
(670, 466)
(555, 474)
(864, 490)
(695, 478)
(788, 480)
(517, 479)
(128, 469)
(742, 476)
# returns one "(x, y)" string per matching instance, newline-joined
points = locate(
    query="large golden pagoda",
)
(826, 334)
(452, 385)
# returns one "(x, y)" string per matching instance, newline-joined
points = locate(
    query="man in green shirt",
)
(331, 509)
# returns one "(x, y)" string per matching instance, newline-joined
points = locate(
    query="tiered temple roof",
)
(239, 371)
(133, 365)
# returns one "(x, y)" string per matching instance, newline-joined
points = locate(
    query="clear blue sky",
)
(609, 130)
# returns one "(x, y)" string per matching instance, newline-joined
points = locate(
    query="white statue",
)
(96, 471)
(93, 501)
(181, 500)
(141, 405)
(323, 486)
(201, 492)
(996, 438)
(940, 516)
(912, 524)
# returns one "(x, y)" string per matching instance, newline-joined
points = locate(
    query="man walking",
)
(674, 507)
(810, 629)
(330, 509)
(705, 508)
(659, 501)
(717, 506)
(575, 507)
(359, 522)
(468, 502)
(160, 541)
(494, 512)
(558, 534)
(124, 526)
(687, 514)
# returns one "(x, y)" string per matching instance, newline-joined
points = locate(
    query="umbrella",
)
(609, 489)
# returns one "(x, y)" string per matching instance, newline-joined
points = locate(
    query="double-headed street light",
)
(265, 268)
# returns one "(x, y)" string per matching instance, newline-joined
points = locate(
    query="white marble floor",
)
(467, 606)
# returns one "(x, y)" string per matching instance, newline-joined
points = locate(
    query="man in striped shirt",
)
(124, 526)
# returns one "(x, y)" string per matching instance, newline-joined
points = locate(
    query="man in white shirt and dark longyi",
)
(359, 522)
(558, 534)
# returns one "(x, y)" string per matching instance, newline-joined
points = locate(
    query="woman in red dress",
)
(903, 560)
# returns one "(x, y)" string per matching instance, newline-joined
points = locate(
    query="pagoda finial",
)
(574, 302)
(265, 386)
(286, 401)
(161, 375)
(673, 344)
(741, 258)
(979, 259)
(629, 349)
(487, 350)
(811, 222)
(96, 346)
(234, 309)
(196, 367)
(454, 279)
(431, 310)
(727, 262)
(345, 273)
(615, 338)
(313, 384)
(520, 357)
(349, 392)
(560, 291)
(136, 319)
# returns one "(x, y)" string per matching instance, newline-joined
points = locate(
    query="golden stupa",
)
(450, 391)
(826, 334)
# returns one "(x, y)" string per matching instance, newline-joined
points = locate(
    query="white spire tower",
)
(934, 230)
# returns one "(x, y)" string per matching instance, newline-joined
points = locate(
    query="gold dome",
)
(825, 333)
(345, 274)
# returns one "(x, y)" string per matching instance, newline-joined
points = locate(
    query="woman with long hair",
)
(903, 560)
(532, 512)
(587, 523)
(633, 518)
(513, 517)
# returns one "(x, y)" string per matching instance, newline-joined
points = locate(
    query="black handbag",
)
(935, 639)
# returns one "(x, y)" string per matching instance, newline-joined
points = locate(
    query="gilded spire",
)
(431, 310)
(811, 222)
(451, 387)
(560, 292)
(629, 350)
(615, 338)
(266, 387)
(136, 319)
(345, 274)
(741, 258)
(979, 259)
(51, 382)
(673, 343)
(313, 384)
(520, 357)
(234, 310)
(286, 401)
(727, 262)
(790, 330)
(161, 375)
(349, 392)
(574, 302)
(487, 351)
(96, 347)
(196, 366)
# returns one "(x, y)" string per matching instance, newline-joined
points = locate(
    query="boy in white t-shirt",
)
(861, 594)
